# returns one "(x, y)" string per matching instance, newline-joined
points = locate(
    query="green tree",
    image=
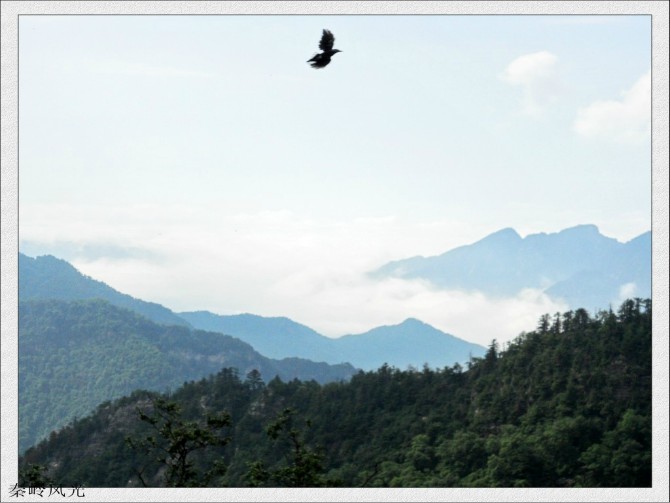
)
(464, 453)
(254, 381)
(34, 476)
(624, 455)
(421, 454)
(174, 440)
(303, 467)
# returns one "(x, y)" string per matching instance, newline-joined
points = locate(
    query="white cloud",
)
(536, 74)
(627, 119)
(626, 291)
(352, 303)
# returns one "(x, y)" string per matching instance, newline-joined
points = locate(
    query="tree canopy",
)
(565, 405)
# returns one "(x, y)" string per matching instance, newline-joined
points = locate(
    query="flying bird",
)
(326, 45)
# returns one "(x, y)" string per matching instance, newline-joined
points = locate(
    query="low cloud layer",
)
(276, 264)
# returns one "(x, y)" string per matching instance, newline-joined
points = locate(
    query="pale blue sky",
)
(199, 162)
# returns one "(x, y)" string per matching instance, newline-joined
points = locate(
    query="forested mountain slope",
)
(75, 355)
(566, 404)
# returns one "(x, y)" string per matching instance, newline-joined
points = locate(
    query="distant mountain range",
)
(411, 342)
(48, 277)
(578, 265)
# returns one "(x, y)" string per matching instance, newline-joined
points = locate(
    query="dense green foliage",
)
(75, 355)
(173, 441)
(567, 404)
(304, 465)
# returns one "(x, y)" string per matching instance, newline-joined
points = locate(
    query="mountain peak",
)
(412, 322)
(46, 261)
(49, 277)
(582, 230)
(503, 235)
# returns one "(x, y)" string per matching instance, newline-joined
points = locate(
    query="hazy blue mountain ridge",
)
(275, 337)
(411, 342)
(578, 264)
(48, 277)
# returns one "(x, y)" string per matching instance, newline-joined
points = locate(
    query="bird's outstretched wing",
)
(327, 41)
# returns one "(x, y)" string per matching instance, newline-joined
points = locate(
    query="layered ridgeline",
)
(578, 265)
(75, 355)
(565, 405)
(411, 342)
